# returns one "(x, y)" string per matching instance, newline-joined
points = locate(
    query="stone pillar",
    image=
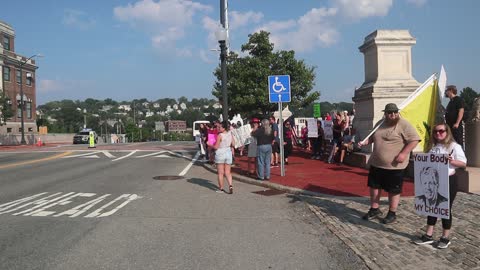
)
(388, 76)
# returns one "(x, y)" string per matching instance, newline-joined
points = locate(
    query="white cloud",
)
(359, 9)
(418, 3)
(77, 19)
(166, 21)
(313, 29)
(206, 56)
(239, 19)
(46, 86)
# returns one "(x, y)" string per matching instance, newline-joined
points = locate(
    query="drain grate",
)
(168, 177)
(269, 192)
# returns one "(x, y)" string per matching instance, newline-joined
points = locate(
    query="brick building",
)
(17, 75)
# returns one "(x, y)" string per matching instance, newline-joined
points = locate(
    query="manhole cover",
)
(168, 177)
(269, 192)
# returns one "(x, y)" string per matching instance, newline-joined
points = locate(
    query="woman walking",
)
(265, 139)
(223, 155)
(443, 143)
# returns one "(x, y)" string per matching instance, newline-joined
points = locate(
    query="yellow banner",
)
(421, 112)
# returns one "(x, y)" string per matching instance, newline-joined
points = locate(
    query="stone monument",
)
(388, 76)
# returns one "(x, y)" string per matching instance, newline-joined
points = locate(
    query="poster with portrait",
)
(431, 185)
(312, 128)
(328, 130)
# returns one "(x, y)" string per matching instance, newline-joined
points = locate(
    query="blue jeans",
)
(264, 156)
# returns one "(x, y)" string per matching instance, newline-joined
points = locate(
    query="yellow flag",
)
(420, 110)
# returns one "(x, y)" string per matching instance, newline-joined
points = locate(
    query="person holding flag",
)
(394, 139)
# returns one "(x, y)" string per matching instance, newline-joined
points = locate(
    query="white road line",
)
(92, 156)
(80, 155)
(175, 154)
(131, 153)
(106, 153)
(151, 154)
(169, 144)
(164, 156)
(190, 164)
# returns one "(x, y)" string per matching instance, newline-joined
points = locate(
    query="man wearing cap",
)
(393, 141)
(454, 113)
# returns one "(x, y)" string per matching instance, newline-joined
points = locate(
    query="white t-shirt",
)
(455, 149)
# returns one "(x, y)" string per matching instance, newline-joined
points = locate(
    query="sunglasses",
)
(439, 131)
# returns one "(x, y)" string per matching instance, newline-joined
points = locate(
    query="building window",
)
(20, 129)
(19, 111)
(28, 81)
(29, 110)
(6, 73)
(30, 129)
(19, 76)
(6, 43)
(9, 130)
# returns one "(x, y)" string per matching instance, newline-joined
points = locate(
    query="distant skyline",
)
(134, 49)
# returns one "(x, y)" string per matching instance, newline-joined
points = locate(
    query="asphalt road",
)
(76, 208)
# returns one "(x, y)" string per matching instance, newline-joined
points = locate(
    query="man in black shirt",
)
(454, 113)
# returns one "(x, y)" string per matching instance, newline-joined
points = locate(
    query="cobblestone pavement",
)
(390, 246)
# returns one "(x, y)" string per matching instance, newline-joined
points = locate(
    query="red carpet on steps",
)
(319, 176)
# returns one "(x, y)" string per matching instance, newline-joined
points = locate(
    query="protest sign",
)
(242, 135)
(312, 128)
(328, 130)
(431, 185)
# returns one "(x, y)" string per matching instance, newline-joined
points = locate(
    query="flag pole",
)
(402, 105)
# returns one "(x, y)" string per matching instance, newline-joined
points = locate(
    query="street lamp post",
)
(22, 105)
(222, 40)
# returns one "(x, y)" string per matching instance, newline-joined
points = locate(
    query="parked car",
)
(83, 136)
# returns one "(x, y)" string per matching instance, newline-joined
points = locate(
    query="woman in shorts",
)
(223, 155)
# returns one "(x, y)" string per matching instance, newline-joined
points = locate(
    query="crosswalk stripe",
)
(106, 153)
(79, 155)
(164, 156)
(91, 156)
(131, 153)
(151, 154)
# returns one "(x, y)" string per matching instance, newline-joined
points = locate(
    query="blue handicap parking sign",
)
(279, 88)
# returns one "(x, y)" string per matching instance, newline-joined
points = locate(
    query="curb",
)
(287, 189)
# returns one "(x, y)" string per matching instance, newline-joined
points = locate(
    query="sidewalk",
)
(337, 195)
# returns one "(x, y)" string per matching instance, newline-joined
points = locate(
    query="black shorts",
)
(389, 180)
(275, 147)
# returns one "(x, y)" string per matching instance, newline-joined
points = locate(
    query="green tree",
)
(5, 108)
(469, 95)
(247, 77)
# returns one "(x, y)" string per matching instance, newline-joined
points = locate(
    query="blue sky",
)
(162, 48)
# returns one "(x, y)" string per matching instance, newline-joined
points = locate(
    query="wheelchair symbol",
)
(278, 87)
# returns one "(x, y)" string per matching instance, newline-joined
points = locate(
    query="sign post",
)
(278, 92)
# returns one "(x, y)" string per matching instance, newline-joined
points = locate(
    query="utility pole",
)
(223, 56)
(224, 21)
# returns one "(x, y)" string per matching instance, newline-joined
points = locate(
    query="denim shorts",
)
(223, 156)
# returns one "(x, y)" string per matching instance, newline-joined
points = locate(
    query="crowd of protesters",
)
(394, 139)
